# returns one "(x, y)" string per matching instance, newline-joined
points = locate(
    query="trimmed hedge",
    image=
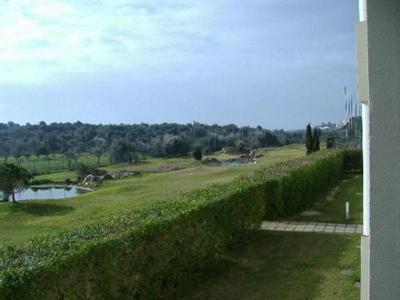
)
(353, 161)
(147, 253)
(292, 187)
(138, 255)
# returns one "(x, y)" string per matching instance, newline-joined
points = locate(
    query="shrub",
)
(353, 161)
(123, 151)
(42, 182)
(293, 186)
(83, 170)
(148, 253)
(197, 154)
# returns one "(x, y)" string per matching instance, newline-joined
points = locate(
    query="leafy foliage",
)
(12, 177)
(309, 139)
(294, 186)
(312, 139)
(316, 135)
(198, 154)
(83, 170)
(353, 161)
(123, 151)
(158, 140)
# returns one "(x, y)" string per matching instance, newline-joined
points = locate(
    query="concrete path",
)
(311, 227)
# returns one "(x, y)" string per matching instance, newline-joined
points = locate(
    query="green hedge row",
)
(353, 161)
(139, 255)
(147, 253)
(294, 186)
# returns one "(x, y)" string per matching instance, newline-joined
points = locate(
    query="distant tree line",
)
(131, 142)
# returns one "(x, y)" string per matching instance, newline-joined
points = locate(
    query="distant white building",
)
(341, 124)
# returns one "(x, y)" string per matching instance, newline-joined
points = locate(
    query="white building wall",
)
(381, 250)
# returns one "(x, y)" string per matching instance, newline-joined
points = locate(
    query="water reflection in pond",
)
(49, 192)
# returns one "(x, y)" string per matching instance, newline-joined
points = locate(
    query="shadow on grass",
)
(278, 265)
(41, 209)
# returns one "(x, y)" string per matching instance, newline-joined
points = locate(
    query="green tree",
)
(177, 146)
(123, 151)
(267, 139)
(18, 153)
(70, 156)
(12, 177)
(309, 139)
(242, 147)
(99, 148)
(197, 154)
(41, 151)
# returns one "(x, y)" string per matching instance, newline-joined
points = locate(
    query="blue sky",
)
(278, 64)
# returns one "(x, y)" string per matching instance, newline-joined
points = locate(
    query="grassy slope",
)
(19, 222)
(284, 265)
(157, 165)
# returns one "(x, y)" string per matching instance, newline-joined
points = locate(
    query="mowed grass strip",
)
(22, 221)
(283, 265)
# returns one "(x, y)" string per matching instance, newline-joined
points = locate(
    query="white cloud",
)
(41, 40)
(48, 40)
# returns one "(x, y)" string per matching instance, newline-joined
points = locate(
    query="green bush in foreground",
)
(138, 255)
(147, 253)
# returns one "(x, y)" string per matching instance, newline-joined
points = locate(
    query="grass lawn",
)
(22, 221)
(331, 207)
(283, 265)
(151, 165)
(58, 177)
(55, 162)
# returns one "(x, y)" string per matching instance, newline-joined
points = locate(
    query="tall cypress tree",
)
(309, 139)
(316, 135)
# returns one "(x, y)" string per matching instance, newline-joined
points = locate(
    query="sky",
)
(278, 64)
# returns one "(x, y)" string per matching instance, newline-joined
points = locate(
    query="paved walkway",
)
(311, 227)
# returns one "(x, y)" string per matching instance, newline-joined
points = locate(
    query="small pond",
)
(48, 192)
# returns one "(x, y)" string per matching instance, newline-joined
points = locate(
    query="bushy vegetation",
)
(123, 151)
(12, 177)
(148, 252)
(294, 186)
(353, 161)
(197, 154)
(82, 170)
(158, 140)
